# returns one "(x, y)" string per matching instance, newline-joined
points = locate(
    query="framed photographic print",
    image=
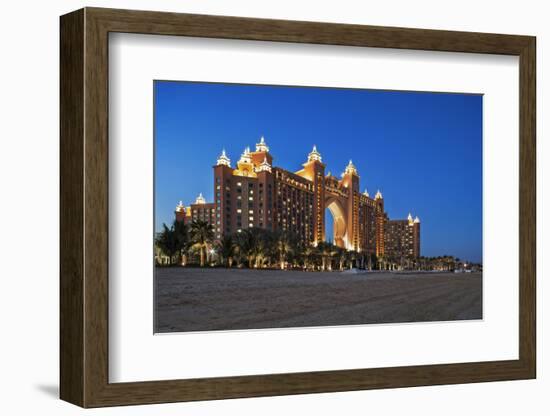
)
(255, 207)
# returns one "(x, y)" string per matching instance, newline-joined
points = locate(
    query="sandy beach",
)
(194, 299)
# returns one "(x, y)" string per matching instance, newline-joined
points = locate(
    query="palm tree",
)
(262, 241)
(352, 256)
(167, 241)
(450, 263)
(381, 260)
(270, 248)
(246, 242)
(334, 251)
(226, 249)
(341, 256)
(361, 256)
(373, 262)
(308, 255)
(202, 234)
(325, 248)
(286, 244)
(182, 239)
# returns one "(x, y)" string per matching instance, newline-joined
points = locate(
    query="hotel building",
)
(255, 193)
(402, 237)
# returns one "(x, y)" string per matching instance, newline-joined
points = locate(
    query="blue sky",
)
(422, 150)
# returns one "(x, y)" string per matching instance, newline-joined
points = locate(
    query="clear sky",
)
(422, 150)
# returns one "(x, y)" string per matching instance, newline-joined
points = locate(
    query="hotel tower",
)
(255, 193)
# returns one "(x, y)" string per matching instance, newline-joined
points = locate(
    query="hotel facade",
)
(255, 193)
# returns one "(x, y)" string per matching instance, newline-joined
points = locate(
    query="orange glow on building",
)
(258, 194)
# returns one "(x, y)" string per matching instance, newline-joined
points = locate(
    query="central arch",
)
(339, 222)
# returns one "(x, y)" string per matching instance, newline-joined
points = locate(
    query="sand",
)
(194, 299)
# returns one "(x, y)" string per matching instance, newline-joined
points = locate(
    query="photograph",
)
(282, 206)
(277, 204)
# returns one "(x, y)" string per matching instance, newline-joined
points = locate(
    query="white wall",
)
(29, 208)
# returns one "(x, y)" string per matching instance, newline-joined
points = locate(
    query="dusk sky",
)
(423, 151)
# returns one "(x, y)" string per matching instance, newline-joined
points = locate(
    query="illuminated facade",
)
(402, 237)
(255, 193)
(200, 210)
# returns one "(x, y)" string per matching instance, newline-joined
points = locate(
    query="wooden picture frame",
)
(84, 207)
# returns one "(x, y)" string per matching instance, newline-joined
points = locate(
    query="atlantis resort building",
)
(255, 193)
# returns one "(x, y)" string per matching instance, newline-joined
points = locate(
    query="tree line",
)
(194, 244)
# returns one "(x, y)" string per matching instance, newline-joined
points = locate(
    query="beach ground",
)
(194, 299)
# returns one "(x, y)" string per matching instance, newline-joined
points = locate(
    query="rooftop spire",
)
(180, 207)
(245, 157)
(366, 193)
(200, 199)
(350, 168)
(378, 195)
(417, 220)
(264, 166)
(262, 146)
(223, 160)
(410, 219)
(314, 155)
